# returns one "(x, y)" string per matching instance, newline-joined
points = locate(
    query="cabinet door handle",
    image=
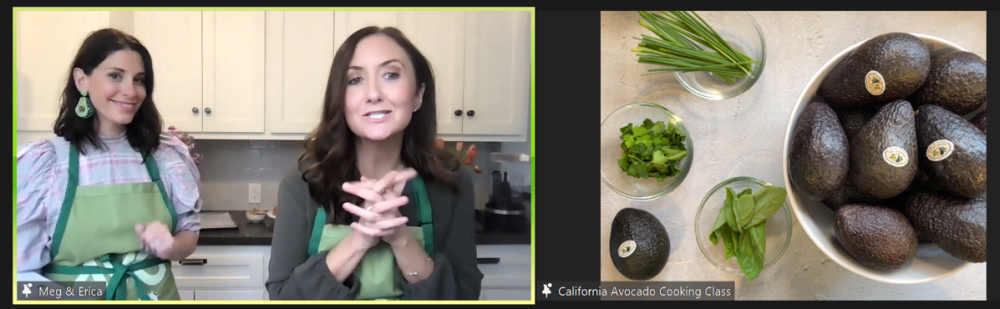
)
(458, 112)
(488, 261)
(193, 262)
(194, 110)
(471, 113)
(208, 110)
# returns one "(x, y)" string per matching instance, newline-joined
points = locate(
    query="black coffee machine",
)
(504, 213)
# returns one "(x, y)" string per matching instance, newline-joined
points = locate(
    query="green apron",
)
(95, 237)
(377, 269)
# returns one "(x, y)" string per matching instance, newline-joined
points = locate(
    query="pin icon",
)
(27, 290)
(545, 289)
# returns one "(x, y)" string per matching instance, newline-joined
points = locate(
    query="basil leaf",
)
(713, 238)
(758, 237)
(730, 208)
(769, 202)
(745, 192)
(747, 257)
(721, 220)
(726, 235)
(746, 210)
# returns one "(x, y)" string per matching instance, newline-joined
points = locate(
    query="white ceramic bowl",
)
(255, 218)
(931, 263)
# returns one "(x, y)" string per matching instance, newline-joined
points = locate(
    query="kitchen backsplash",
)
(229, 167)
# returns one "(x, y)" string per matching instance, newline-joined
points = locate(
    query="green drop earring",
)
(84, 109)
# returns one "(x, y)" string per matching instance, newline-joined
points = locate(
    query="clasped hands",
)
(380, 218)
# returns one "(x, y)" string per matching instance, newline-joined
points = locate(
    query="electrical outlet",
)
(254, 193)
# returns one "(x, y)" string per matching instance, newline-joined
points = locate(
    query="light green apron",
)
(377, 270)
(95, 237)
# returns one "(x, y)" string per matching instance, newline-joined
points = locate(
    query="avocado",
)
(878, 237)
(919, 180)
(846, 194)
(819, 154)
(883, 69)
(883, 162)
(639, 244)
(899, 203)
(853, 119)
(956, 81)
(952, 151)
(956, 224)
(980, 121)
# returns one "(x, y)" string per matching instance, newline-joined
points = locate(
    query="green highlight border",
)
(531, 134)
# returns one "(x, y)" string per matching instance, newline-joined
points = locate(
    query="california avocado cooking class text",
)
(645, 292)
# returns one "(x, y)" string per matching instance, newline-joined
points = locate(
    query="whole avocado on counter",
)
(883, 69)
(639, 244)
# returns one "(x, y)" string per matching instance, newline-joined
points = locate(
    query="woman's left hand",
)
(156, 238)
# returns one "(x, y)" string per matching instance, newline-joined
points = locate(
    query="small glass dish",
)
(611, 151)
(743, 34)
(778, 230)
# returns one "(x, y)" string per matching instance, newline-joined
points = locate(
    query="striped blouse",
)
(42, 176)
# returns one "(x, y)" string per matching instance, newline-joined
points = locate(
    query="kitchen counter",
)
(258, 234)
(744, 136)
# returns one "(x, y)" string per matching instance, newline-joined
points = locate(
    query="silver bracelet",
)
(430, 262)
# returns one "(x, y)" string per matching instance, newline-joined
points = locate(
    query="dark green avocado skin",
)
(980, 121)
(852, 120)
(893, 126)
(901, 58)
(876, 236)
(653, 244)
(847, 194)
(957, 82)
(819, 155)
(963, 173)
(957, 225)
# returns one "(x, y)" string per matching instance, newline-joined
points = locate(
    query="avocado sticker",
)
(626, 249)
(874, 83)
(940, 150)
(895, 156)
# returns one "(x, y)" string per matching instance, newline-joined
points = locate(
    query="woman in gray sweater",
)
(373, 210)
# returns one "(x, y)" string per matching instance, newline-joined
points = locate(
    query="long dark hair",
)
(143, 132)
(330, 158)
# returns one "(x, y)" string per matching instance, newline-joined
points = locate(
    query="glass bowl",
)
(743, 35)
(778, 230)
(611, 151)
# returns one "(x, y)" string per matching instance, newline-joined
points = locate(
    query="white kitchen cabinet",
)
(47, 42)
(300, 49)
(186, 295)
(224, 273)
(440, 36)
(511, 278)
(174, 41)
(233, 71)
(497, 76)
(347, 22)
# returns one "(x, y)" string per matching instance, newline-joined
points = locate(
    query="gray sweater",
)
(294, 275)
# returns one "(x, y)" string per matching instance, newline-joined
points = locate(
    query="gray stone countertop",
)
(744, 136)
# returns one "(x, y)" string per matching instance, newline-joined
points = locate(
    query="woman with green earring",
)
(112, 198)
(374, 211)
